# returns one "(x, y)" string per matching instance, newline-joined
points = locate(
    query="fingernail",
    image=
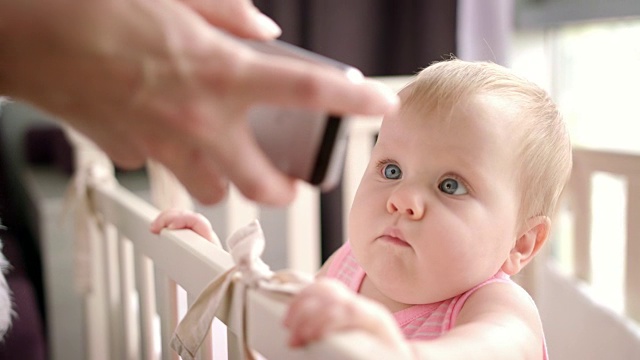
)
(355, 75)
(267, 26)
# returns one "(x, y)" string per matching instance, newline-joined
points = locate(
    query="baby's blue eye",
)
(452, 187)
(392, 171)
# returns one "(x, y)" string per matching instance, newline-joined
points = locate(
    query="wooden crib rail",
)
(586, 164)
(193, 262)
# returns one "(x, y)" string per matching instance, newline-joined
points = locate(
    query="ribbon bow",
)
(246, 246)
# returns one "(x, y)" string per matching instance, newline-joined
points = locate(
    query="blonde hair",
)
(545, 150)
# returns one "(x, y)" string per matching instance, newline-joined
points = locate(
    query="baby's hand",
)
(327, 306)
(175, 219)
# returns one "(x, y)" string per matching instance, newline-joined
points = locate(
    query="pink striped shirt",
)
(419, 322)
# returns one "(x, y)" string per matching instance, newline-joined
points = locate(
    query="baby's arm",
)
(175, 219)
(327, 306)
(499, 321)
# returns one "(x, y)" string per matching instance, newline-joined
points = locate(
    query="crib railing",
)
(587, 163)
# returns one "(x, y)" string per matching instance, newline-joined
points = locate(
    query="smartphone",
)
(309, 145)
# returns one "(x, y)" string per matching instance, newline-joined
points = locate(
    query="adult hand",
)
(154, 78)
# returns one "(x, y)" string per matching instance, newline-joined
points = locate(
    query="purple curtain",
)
(379, 37)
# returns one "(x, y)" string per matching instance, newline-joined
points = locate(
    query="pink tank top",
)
(419, 322)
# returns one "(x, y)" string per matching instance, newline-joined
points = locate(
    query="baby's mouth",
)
(394, 236)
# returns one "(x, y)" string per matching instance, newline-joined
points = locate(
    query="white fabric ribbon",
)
(246, 246)
(92, 168)
(87, 225)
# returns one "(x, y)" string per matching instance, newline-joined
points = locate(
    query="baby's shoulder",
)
(501, 301)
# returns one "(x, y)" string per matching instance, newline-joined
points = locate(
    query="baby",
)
(457, 197)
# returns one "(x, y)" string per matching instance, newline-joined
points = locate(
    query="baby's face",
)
(436, 210)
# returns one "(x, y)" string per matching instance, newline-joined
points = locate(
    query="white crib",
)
(133, 305)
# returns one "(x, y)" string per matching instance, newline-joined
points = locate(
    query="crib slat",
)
(115, 309)
(129, 301)
(303, 230)
(149, 321)
(97, 307)
(632, 273)
(581, 184)
(166, 302)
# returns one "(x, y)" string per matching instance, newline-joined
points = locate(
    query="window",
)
(592, 69)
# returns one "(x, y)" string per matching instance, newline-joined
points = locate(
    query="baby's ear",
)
(529, 242)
